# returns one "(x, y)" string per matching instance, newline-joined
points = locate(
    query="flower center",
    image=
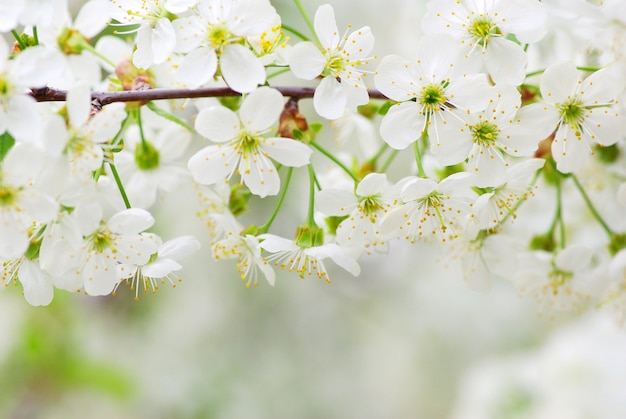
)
(482, 29)
(369, 206)
(334, 65)
(8, 195)
(100, 240)
(432, 98)
(572, 112)
(219, 37)
(247, 144)
(484, 133)
(557, 279)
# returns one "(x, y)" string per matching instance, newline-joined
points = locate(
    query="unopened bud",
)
(291, 120)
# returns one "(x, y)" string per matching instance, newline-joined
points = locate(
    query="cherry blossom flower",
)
(245, 248)
(431, 91)
(486, 136)
(562, 281)
(500, 201)
(287, 254)
(23, 207)
(364, 210)
(156, 38)
(241, 147)
(430, 209)
(583, 113)
(481, 29)
(215, 36)
(160, 267)
(337, 62)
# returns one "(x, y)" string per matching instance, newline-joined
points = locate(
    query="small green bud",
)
(617, 243)
(147, 157)
(543, 242)
(309, 236)
(238, 201)
(333, 222)
(608, 154)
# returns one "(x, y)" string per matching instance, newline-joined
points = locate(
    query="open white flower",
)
(481, 29)
(246, 249)
(429, 209)
(486, 137)
(583, 112)
(337, 61)
(365, 210)
(432, 91)
(160, 267)
(562, 281)
(156, 38)
(287, 254)
(215, 35)
(242, 148)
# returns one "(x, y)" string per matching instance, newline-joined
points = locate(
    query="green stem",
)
(588, 69)
(120, 186)
(418, 157)
(378, 154)
(295, 32)
(35, 35)
(335, 160)
(278, 72)
(137, 114)
(389, 160)
(265, 227)
(97, 54)
(306, 18)
(310, 219)
(18, 39)
(591, 207)
(559, 214)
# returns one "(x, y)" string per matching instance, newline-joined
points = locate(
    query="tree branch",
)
(49, 94)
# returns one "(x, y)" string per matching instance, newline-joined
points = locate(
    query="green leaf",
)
(6, 142)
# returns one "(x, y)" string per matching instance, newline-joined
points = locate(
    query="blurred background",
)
(406, 339)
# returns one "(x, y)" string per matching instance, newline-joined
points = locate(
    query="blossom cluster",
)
(506, 141)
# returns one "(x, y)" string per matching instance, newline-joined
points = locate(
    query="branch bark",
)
(49, 94)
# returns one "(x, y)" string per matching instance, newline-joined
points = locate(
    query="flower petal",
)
(218, 124)
(261, 109)
(241, 69)
(329, 99)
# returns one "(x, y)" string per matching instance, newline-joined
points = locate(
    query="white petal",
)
(330, 99)
(99, 275)
(574, 258)
(78, 104)
(163, 40)
(372, 184)
(92, 17)
(335, 202)
(218, 124)
(197, 67)
(569, 151)
(130, 221)
(38, 290)
(605, 125)
(306, 61)
(559, 82)
(259, 175)
(402, 125)
(213, 164)
(397, 78)
(142, 58)
(261, 109)
(160, 268)
(241, 69)
(13, 238)
(23, 118)
(179, 248)
(326, 26)
(287, 151)
(505, 61)
(360, 43)
(189, 33)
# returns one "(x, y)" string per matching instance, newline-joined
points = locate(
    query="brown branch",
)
(48, 94)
